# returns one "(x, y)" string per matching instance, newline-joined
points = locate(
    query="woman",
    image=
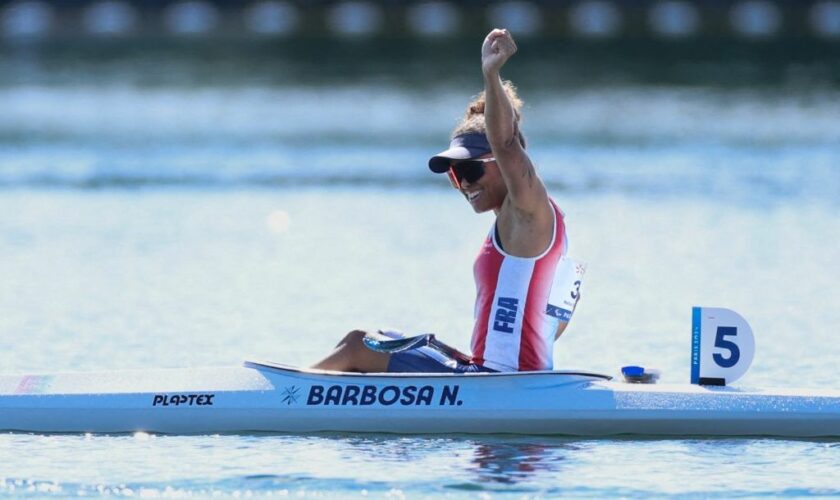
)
(518, 272)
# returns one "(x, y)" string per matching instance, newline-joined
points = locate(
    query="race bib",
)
(566, 289)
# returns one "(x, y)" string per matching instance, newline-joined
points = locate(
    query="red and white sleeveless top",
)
(514, 323)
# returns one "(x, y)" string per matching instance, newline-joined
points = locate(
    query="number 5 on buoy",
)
(722, 346)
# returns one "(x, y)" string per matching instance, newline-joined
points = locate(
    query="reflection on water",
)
(484, 461)
(341, 465)
(514, 461)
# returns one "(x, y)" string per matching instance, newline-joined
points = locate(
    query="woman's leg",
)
(351, 355)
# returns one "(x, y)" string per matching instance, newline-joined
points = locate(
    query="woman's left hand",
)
(498, 47)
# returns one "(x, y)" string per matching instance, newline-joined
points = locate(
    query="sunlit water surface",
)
(167, 278)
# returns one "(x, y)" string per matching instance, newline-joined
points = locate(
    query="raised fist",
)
(497, 48)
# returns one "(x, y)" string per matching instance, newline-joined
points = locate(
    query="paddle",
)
(393, 346)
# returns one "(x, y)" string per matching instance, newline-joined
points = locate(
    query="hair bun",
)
(473, 120)
(476, 108)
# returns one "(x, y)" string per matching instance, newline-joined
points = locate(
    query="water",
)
(192, 221)
(388, 466)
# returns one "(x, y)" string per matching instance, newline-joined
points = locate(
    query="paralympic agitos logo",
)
(367, 395)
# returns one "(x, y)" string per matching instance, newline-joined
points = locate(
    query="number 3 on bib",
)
(722, 346)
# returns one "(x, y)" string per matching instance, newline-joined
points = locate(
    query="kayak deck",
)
(268, 397)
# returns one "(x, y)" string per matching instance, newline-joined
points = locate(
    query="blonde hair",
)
(473, 120)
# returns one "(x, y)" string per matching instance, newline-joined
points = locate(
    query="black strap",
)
(498, 237)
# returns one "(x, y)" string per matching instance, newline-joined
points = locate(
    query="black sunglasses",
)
(469, 170)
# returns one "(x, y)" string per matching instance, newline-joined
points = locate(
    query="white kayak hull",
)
(263, 397)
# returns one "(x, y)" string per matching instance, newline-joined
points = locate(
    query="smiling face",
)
(488, 192)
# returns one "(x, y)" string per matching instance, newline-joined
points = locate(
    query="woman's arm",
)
(525, 189)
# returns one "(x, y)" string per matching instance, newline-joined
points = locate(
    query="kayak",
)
(269, 397)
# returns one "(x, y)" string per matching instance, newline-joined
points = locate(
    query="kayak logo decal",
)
(368, 395)
(183, 400)
(291, 395)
